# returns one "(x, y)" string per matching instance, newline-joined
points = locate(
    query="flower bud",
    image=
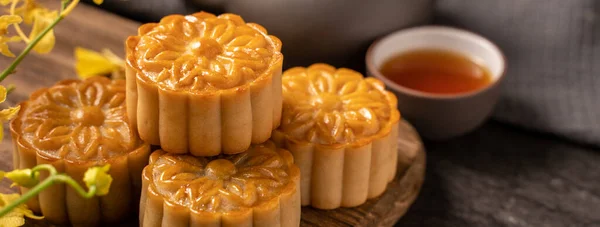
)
(99, 177)
(23, 177)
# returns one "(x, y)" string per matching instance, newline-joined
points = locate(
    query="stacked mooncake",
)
(209, 90)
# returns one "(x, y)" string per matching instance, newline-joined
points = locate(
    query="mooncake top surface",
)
(203, 52)
(226, 182)
(78, 120)
(330, 106)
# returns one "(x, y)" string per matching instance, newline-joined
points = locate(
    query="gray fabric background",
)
(553, 51)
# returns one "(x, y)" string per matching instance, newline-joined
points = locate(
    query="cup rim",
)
(446, 29)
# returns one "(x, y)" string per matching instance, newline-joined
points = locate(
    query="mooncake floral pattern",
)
(79, 120)
(328, 106)
(222, 183)
(204, 52)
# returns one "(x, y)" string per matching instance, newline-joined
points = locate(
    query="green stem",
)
(10, 88)
(53, 179)
(63, 5)
(47, 167)
(27, 49)
(68, 180)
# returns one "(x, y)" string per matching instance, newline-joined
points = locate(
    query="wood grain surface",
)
(94, 29)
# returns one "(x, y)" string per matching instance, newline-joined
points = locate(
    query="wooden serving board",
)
(95, 29)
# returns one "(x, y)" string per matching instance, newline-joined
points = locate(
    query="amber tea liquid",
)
(436, 71)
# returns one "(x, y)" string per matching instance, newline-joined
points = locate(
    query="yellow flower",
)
(5, 21)
(6, 114)
(15, 217)
(5, 2)
(27, 10)
(23, 177)
(99, 177)
(42, 18)
(4, 45)
(72, 5)
(90, 63)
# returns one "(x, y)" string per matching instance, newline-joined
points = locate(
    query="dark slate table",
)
(501, 175)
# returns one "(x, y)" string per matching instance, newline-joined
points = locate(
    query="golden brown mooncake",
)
(75, 125)
(204, 84)
(342, 130)
(259, 187)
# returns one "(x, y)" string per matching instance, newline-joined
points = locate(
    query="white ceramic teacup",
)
(441, 116)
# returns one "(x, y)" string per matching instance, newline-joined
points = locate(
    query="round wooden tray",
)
(384, 210)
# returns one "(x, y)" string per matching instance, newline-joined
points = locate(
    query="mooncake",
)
(204, 84)
(75, 125)
(259, 187)
(342, 130)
